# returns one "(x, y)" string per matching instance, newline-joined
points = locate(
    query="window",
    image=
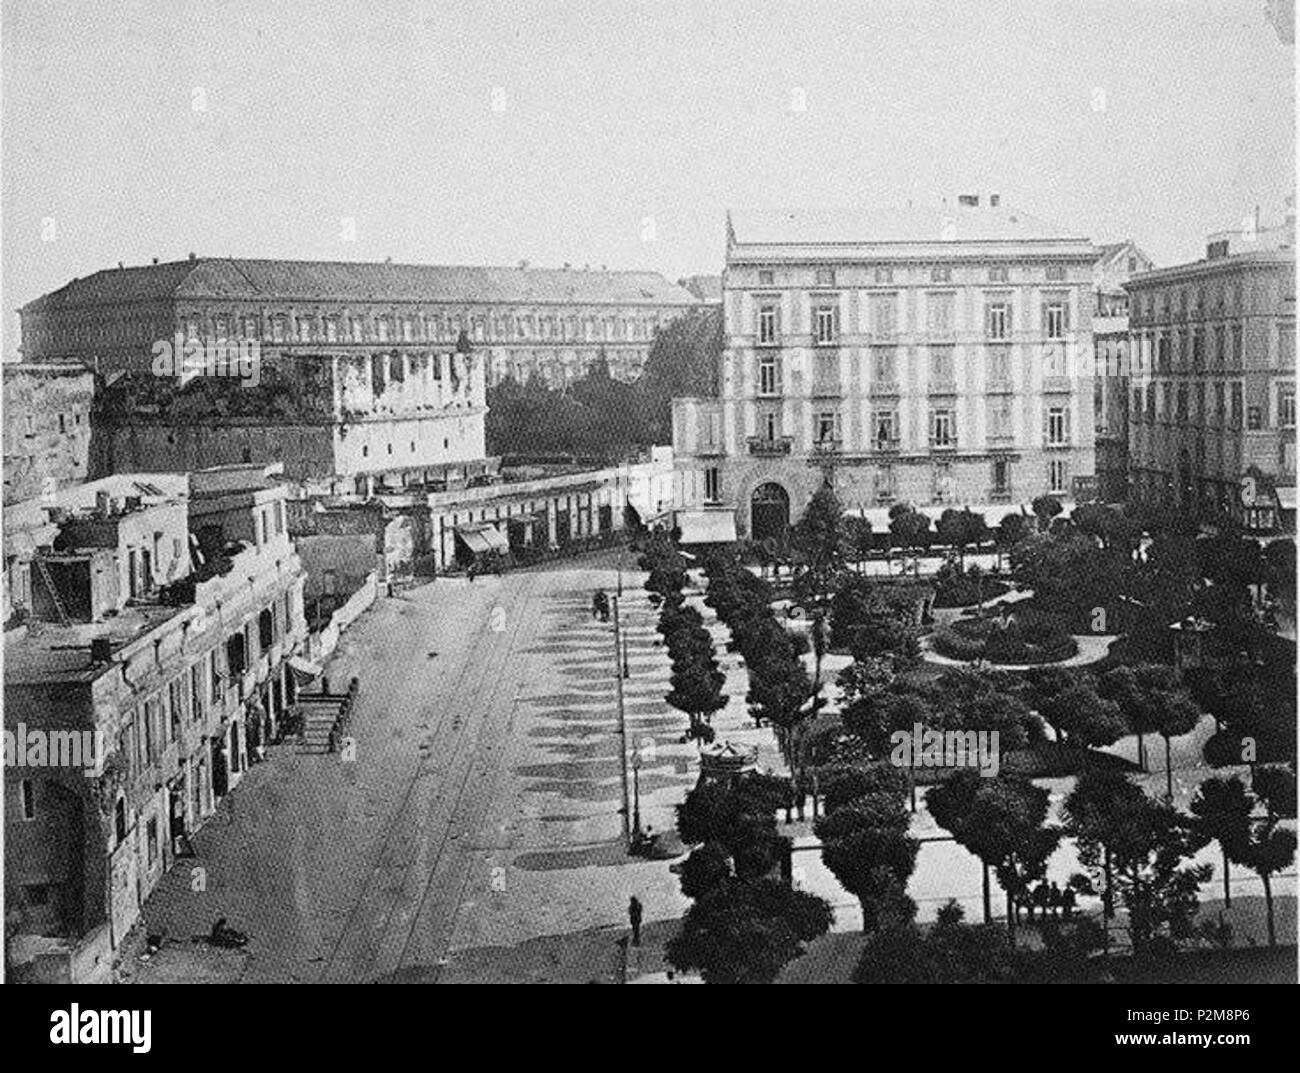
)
(1198, 350)
(279, 329)
(27, 791)
(1137, 404)
(384, 329)
(1132, 264)
(941, 482)
(176, 702)
(768, 321)
(1056, 426)
(1180, 413)
(771, 428)
(119, 821)
(767, 379)
(1055, 320)
(151, 840)
(1000, 418)
(1058, 472)
(713, 430)
(941, 274)
(1254, 418)
(304, 329)
(999, 365)
(940, 309)
(214, 677)
(1001, 477)
(884, 274)
(198, 694)
(885, 429)
(998, 320)
(999, 274)
(712, 485)
(766, 277)
(942, 433)
(884, 314)
(1163, 345)
(886, 484)
(941, 367)
(882, 366)
(825, 277)
(1286, 406)
(1055, 273)
(825, 324)
(1219, 409)
(191, 329)
(331, 329)
(357, 329)
(828, 427)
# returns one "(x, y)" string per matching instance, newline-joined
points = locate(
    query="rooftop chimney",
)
(969, 200)
(192, 257)
(994, 200)
(155, 260)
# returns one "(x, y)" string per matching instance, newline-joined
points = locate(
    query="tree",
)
(909, 529)
(1144, 844)
(858, 537)
(746, 931)
(1100, 798)
(1084, 717)
(866, 845)
(1010, 531)
(1222, 809)
(685, 359)
(1002, 821)
(819, 537)
(1045, 508)
(959, 529)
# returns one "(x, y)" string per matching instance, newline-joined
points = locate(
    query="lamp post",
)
(622, 725)
(636, 792)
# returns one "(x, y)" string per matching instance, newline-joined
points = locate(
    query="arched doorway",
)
(769, 512)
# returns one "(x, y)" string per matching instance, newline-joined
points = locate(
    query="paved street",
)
(480, 813)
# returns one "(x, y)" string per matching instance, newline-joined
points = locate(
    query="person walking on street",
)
(634, 912)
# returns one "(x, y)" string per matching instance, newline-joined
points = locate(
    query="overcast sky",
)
(489, 133)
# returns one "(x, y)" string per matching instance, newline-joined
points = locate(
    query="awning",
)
(706, 526)
(1286, 498)
(481, 539)
(304, 670)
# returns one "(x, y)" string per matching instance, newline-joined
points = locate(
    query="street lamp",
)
(636, 792)
(622, 726)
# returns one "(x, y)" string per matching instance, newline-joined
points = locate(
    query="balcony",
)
(1001, 439)
(761, 445)
(943, 446)
(710, 450)
(999, 495)
(1057, 444)
(884, 388)
(828, 445)
(1057, 385)
(886, 446)
(827, 387)
(943, 387)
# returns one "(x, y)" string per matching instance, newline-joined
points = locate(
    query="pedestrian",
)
(596, 599)
(634, 912)
(469, 572)
(1056, 899)
(1068, 902)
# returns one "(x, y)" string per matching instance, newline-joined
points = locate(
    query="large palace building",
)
(936, 357)
(1212, 348)
(366, 375)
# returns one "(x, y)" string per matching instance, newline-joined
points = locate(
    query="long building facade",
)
(1212, 410)
(353, 375)
(153, 620)
(930, 357)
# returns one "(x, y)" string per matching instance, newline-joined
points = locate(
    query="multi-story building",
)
(1116, 264)
(1212, 410)
(334, 338)
(934, 357)
(47, 408)
(148, 664)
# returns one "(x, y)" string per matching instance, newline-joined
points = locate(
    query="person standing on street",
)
(634, 913)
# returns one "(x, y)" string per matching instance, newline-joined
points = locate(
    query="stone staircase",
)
(323, 719)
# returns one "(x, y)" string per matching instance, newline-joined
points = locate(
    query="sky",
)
(613, 133)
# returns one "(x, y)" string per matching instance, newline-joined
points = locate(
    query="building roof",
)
(923, 224)
(223, 277)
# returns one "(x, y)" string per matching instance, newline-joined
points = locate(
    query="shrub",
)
(1025, 637)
